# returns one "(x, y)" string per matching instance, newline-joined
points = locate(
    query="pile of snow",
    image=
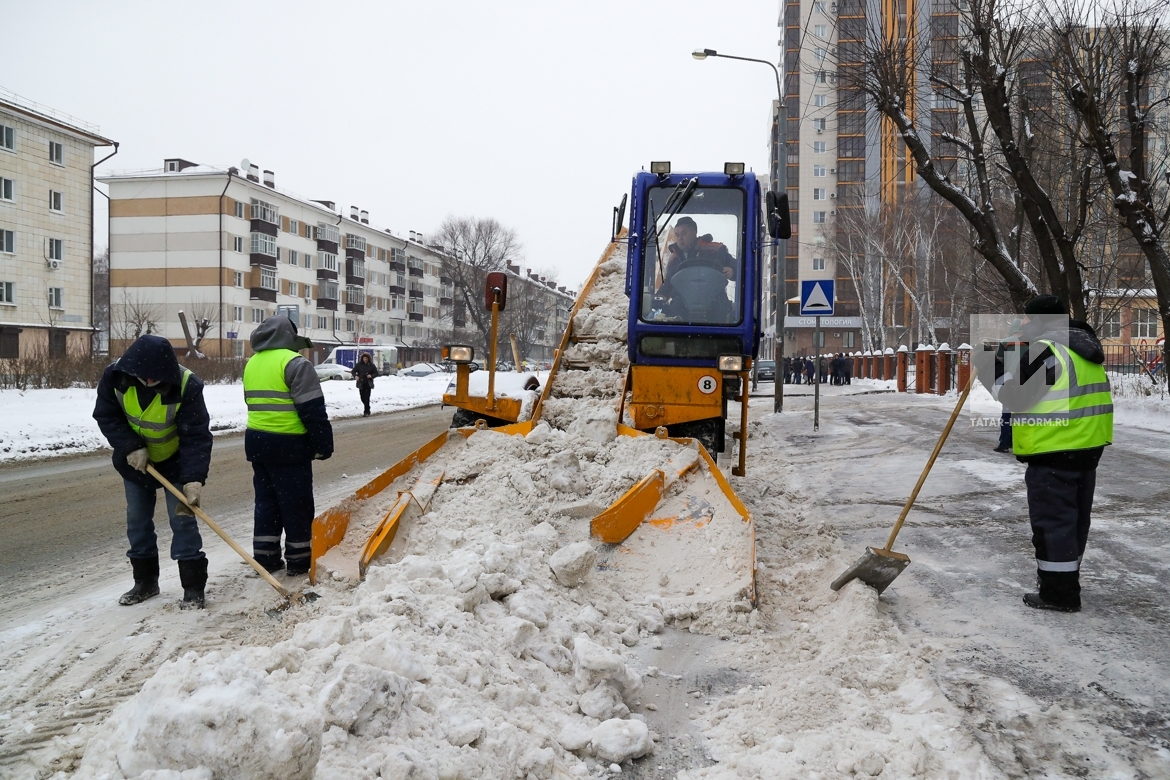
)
(43, 423)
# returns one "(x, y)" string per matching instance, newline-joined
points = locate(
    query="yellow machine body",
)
(498, 407)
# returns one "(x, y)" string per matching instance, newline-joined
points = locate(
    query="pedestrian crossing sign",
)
(816, 297)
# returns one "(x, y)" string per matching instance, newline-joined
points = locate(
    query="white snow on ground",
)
(45, 423)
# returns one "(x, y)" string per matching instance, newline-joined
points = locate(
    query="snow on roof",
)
(34, 110)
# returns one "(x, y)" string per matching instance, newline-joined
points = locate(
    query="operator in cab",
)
(698, 270)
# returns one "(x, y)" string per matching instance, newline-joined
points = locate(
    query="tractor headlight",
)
(733, 169)
(730, 364)
(458, 353)
(662, 168)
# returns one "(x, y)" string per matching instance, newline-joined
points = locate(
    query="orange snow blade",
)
(615, 524)
(414, 502)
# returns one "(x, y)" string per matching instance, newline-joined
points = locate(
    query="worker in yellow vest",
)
(1062, 420)
(288, 429)
(151, 410)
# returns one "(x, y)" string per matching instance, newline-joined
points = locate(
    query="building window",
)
(294, 257)
(294, 226)
(7, 188)
(349, 326)
(819, 7)
(818, 217)
(263, 244)
(56, 153)
(820, 147)
(822, 77)
(818, 263)
(847, 339)
(819, 101)
(1111, 327)
(7, 138)
(238, 243)
(307, 259)
(7, 241)
(327, 290)
(819, 170)
(293, 289)
(1145, 323)
(322, 323)
(8, 293)
(355, 294)
(56, 297)
(56, 249)
(818, 338)
(238, 278)
(818, 193)
(56, 200)
(819, 124)
(265, 211)
(327, 261)
(820, 53)
(238, 350)
(306, 321)
(239, 210)
(278, 254)
(237, 314)
(821, 30)
(257, 315)
(267, 278)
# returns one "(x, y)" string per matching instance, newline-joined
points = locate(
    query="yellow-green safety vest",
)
(156, 423)
(269, 399)
(1076, 413)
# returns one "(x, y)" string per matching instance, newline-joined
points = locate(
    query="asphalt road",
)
(64, 519)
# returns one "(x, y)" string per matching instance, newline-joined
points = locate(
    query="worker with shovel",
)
(151, 411)
(1062, 420)
(288, 429)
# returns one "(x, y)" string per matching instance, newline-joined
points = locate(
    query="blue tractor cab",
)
(693, 276)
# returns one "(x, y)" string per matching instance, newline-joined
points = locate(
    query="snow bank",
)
(44, 423)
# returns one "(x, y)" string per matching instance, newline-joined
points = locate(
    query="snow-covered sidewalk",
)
(45, 423)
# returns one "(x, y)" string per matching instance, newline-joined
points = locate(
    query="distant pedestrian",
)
(809, 371)
(151, 411)
(288, 429)
(848, 364)
(1062, 420)
(364, 372)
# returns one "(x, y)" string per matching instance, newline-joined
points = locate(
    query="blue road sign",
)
(816, 297)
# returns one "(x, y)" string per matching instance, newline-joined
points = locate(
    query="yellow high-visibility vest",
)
(269, 399)
(156, 423)
(1076, 413)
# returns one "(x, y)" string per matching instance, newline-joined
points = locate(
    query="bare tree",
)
(135, 316)
(476, 247)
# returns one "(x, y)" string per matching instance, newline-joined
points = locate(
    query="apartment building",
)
(46, 230)
(541, 310)
(228, 248)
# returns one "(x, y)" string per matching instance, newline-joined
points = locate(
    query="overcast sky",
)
(534, 113)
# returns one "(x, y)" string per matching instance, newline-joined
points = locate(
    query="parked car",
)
(326, 371)
(766, 370)
(421, 369)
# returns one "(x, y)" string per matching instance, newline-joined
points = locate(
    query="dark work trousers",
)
(284, 502)
(364, 391)
(186, 544)
(1005, 430)
(1059, 505)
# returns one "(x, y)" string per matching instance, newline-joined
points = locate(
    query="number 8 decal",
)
(707, 385)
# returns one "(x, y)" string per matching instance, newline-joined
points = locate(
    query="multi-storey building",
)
(228, 249)
(46, 230)
(547, 307)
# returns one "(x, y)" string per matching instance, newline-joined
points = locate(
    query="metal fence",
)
(1135, 359)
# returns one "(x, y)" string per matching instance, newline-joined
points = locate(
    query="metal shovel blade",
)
(876, 568)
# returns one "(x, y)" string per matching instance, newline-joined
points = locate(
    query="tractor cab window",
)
(693, 273)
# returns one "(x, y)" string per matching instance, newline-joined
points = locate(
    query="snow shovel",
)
(878, 568)
(289, 596)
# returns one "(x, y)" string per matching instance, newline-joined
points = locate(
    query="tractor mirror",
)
(619, 217)
(778, 215)
(497, 283)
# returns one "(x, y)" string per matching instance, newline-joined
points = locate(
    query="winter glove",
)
(138, 459)
(322, 456)
(191, 491)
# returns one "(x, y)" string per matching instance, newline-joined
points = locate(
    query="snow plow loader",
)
(621, 444)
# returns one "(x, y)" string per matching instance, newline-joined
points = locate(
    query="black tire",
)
(465, 419)
(710, 433)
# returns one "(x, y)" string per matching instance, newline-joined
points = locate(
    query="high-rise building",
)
(46, 230)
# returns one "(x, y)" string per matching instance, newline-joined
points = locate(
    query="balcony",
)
(415, 317)
(416, 294)
(416, 272)
(396, 290)
(355, 308)
(399, 267)
(262, 294)
(355, 270)
(357, 243)
(325, 273)
(327, 303)
(446, 301)
(263, 226)
(259, 258)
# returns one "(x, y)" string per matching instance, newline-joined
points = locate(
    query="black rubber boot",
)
(1059, 591)
(193, 575)
(145, 581)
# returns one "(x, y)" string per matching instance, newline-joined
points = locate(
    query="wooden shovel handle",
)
(937, 449)
(222, 533)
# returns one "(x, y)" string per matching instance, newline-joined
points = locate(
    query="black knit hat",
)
(1045, 304)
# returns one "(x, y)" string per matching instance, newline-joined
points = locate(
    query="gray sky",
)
(535, 113)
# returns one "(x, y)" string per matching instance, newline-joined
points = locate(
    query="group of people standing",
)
(152, 412)
(835, 369)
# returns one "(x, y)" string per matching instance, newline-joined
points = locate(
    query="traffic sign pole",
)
(817, 372)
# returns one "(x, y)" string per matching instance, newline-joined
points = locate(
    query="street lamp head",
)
(702, 54)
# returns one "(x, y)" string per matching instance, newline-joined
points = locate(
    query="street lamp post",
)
(781, 163)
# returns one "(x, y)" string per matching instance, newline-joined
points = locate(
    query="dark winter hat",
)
(1045, 304)
(687, 222)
